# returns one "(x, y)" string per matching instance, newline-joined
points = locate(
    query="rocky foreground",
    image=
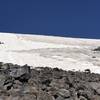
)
(22, 83)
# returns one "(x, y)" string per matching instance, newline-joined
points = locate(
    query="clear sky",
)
(78, 18)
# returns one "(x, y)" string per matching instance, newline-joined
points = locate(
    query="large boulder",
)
(18, 71)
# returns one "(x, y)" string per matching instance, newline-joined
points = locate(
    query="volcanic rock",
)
(44, 83)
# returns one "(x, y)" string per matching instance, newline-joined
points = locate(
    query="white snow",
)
(39, 50)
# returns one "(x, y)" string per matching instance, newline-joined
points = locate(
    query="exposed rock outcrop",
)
(22, 83)
(97, 49)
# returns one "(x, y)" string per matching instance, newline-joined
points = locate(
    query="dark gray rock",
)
(22, 83)
(97, 49)
(18, 71)
(64, 93)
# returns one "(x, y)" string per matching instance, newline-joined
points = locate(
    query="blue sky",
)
(77, 18)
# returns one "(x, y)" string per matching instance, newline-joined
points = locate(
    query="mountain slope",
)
(37, 50)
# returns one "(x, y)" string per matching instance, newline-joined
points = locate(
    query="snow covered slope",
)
(39, 50)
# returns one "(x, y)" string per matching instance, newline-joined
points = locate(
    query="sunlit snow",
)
(39, 50)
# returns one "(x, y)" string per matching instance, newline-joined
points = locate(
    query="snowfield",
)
(38, 50)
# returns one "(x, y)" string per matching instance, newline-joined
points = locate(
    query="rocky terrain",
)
(22, 83)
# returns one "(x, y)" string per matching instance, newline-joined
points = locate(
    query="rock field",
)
(44, 83)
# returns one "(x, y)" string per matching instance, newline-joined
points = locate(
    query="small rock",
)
(65, 93)
(98, 91)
